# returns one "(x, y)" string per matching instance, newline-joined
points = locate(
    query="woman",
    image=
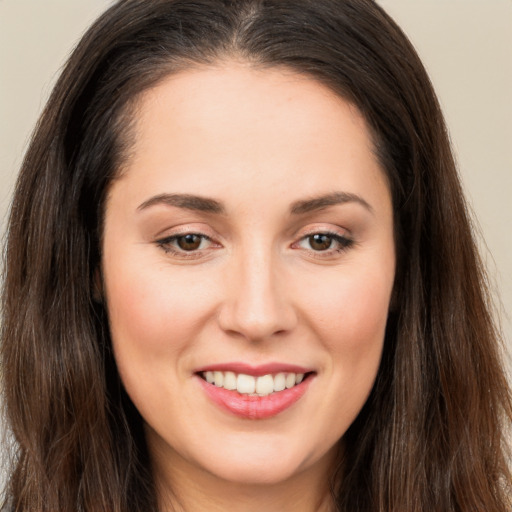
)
(240, 274)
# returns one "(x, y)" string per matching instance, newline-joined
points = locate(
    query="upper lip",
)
(255, 370)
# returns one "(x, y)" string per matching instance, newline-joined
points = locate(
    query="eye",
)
(320, 241)
(185, 243)
(325, 242)
(190, 242)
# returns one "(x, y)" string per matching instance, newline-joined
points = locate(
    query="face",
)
(248, 264)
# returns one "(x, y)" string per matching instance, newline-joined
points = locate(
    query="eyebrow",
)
(208, 205)
(324, 201)
(186, 201)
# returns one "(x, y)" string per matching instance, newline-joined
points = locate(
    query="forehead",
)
(233, 125)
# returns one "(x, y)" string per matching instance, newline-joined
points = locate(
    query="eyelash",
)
(166, 245)
(344, 243)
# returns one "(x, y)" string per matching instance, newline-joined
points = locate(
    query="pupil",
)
(189, 242)
(320, 242)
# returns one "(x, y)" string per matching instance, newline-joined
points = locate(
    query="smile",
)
(255, 393)
(251, 385)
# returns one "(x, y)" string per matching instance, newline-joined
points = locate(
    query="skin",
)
(256, 291)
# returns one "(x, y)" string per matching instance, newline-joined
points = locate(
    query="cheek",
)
(351, 316)
(350, 321)
(351, 326)
(154, 315)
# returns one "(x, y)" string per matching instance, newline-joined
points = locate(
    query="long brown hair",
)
(432, 435)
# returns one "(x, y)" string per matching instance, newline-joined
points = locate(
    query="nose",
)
(256, 304)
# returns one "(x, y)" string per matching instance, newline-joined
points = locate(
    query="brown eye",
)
(320, 242)
(190, 242)
(187, 245)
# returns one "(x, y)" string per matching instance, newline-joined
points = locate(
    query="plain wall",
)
(466, 46)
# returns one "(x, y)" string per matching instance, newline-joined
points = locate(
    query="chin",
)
(268, 461)
(255, 473)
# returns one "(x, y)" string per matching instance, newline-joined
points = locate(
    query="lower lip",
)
(255, 407)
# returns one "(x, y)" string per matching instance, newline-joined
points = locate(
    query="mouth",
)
(251, 385)
(255, 393)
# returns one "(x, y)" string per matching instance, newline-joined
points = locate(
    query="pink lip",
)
(255, 371)
(255, 407)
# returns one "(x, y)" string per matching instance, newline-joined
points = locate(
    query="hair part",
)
(431, 435)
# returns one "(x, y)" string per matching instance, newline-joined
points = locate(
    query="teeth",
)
(249, 385)
(279, 382)
(290, 380)
(265, 385)
(245, 384)
(229, 380)
(218, 378)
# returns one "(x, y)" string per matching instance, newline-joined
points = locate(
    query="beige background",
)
(465, 44)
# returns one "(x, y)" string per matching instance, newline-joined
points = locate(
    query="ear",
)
(97, 286)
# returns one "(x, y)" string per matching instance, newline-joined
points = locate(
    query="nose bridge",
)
(257, 306)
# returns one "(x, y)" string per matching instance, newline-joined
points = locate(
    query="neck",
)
(243, 499)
